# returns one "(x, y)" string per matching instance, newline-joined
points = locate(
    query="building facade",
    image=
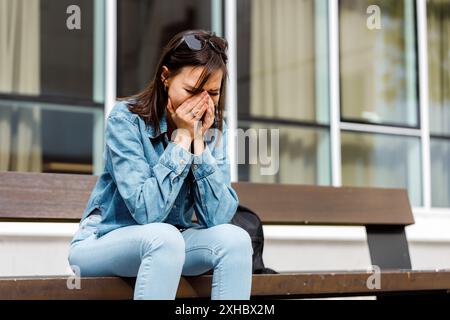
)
(358, 89)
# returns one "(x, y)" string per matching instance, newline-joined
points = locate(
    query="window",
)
(380, 160)
(438, 17)
(378, 67)
(302, 155)
(283, 83)
(51, 112)
(378, 73)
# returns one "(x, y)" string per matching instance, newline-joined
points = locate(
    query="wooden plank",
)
(62, 197)
(44, 196)
(285, 285)
(317, 205)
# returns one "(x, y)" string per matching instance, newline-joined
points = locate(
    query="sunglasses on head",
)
(195, 43)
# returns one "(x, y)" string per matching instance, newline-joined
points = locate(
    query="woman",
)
(165, 157)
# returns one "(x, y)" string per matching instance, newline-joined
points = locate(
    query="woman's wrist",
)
(199, 146)
(183, 140)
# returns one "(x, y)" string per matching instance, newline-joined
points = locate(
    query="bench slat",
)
(44, 197)
(287, 285)
(317, 205)
(62, 197)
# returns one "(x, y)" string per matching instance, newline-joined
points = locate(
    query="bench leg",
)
(388, 247)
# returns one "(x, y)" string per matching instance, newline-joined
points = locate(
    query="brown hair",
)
(151, 102)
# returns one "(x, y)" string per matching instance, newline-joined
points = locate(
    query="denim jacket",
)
(147, 178)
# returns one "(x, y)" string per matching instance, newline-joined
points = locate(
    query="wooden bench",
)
(41, 197)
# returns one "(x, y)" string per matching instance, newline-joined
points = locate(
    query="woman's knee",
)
(233, 238)
(162, 237)
(128, 247)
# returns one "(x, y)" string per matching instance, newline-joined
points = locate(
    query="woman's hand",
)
(208, 119)
(187, 116)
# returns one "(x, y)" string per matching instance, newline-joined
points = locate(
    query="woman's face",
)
(181, 86)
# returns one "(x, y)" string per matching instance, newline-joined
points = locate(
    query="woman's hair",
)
(151, 102)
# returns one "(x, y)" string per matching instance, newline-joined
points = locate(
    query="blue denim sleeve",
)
(215, 201)
(148, 193)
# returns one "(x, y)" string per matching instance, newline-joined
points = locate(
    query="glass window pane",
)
(438, 12)
(378, 66)
(146, 26)
(66, 55)
(43, 57)
(282, 60)
(440, 172)
(48, 118)
(303, 155)
(379, 160)
(42, 137)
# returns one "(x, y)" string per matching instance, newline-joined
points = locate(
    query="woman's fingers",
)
(200, 108)
(209, 118)
(199, 113)
(192, 103)
(211, 107)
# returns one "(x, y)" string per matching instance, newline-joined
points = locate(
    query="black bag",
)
(249, 221)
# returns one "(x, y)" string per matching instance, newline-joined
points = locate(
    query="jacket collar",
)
(162, 127)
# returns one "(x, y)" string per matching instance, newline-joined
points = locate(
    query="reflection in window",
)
(20, 138)
(40, 56)
(439, 65)
(41, 60)
(282, 56)
(67, 55)
(440, 172)
(20, 65)
(303, 157)
(145, 26)
(42, 137)
(379, 160)
(378, 66)
(282, 59)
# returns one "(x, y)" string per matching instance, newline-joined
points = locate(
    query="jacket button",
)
(194, 166)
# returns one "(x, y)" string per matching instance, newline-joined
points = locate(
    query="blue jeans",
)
(157, 254)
